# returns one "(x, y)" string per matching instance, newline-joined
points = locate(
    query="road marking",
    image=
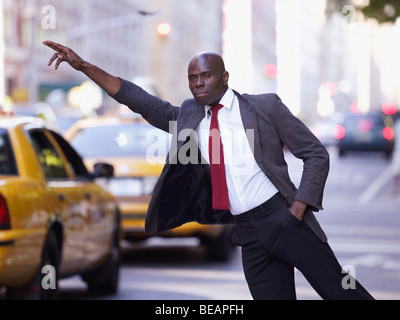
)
(193, 290)
(202, 274)
(373, 260)
(362, 230)
(375, 186)
(364, 245)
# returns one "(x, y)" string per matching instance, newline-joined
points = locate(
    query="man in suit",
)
(274, 220)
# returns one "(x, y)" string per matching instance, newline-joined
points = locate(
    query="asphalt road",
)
(361, 219)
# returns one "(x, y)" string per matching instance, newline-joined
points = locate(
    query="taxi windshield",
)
(136, 139)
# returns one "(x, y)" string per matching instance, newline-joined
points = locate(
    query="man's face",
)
(208, 80)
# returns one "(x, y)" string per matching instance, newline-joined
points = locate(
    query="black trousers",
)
(274, 242)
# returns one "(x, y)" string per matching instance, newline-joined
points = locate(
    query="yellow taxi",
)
(55, 218)
(138, 152)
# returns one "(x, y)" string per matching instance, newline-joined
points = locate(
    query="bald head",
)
(208, 79)
(212, 58)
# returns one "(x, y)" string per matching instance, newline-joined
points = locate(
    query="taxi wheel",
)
(105, 279)
(44, 285)
(50, 261)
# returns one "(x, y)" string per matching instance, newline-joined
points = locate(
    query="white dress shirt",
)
(248, 186)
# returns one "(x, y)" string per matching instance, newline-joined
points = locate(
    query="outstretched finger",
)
(54, 57)
(55, 46)
(59, 60)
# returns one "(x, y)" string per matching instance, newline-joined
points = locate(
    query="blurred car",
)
(324, 130)
(39, 110)
(138, 151)
(55, 219)
(365, 132)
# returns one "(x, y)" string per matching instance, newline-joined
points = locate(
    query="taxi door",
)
(99, 207)
(72, 208)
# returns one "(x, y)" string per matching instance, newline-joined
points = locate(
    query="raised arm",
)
(104, 80)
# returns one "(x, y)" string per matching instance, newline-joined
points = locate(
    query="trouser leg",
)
(319, 265)
(276, 243)
(267, 278)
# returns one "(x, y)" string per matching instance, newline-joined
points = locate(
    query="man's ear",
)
(225, 77)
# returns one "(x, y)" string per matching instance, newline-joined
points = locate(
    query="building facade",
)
(119, 36)
(283, 46)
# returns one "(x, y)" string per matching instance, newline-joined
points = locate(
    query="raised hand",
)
(64, 54)
(104, 80)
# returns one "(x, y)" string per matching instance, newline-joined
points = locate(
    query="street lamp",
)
(164, 29)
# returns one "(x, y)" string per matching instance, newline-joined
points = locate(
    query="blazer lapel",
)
(249, 118)
(184, 129)
(193, 116)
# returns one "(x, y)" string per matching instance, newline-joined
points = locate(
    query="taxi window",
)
(7, 160)
(51, 162)
(74, 160)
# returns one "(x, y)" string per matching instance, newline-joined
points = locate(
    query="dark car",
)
(365, 132)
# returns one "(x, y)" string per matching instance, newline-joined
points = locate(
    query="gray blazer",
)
(183, 191)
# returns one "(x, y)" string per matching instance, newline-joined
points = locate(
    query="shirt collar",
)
(226, 100)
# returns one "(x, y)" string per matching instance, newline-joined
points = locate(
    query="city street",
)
(84, 68)
(361, 219)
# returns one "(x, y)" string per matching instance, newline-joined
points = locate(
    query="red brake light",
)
(388, 133)
(4, 214)
(339, 132)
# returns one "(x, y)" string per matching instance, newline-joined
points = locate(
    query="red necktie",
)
(220, 199)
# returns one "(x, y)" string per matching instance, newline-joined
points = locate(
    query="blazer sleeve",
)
(304, 145)
(156, 111)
